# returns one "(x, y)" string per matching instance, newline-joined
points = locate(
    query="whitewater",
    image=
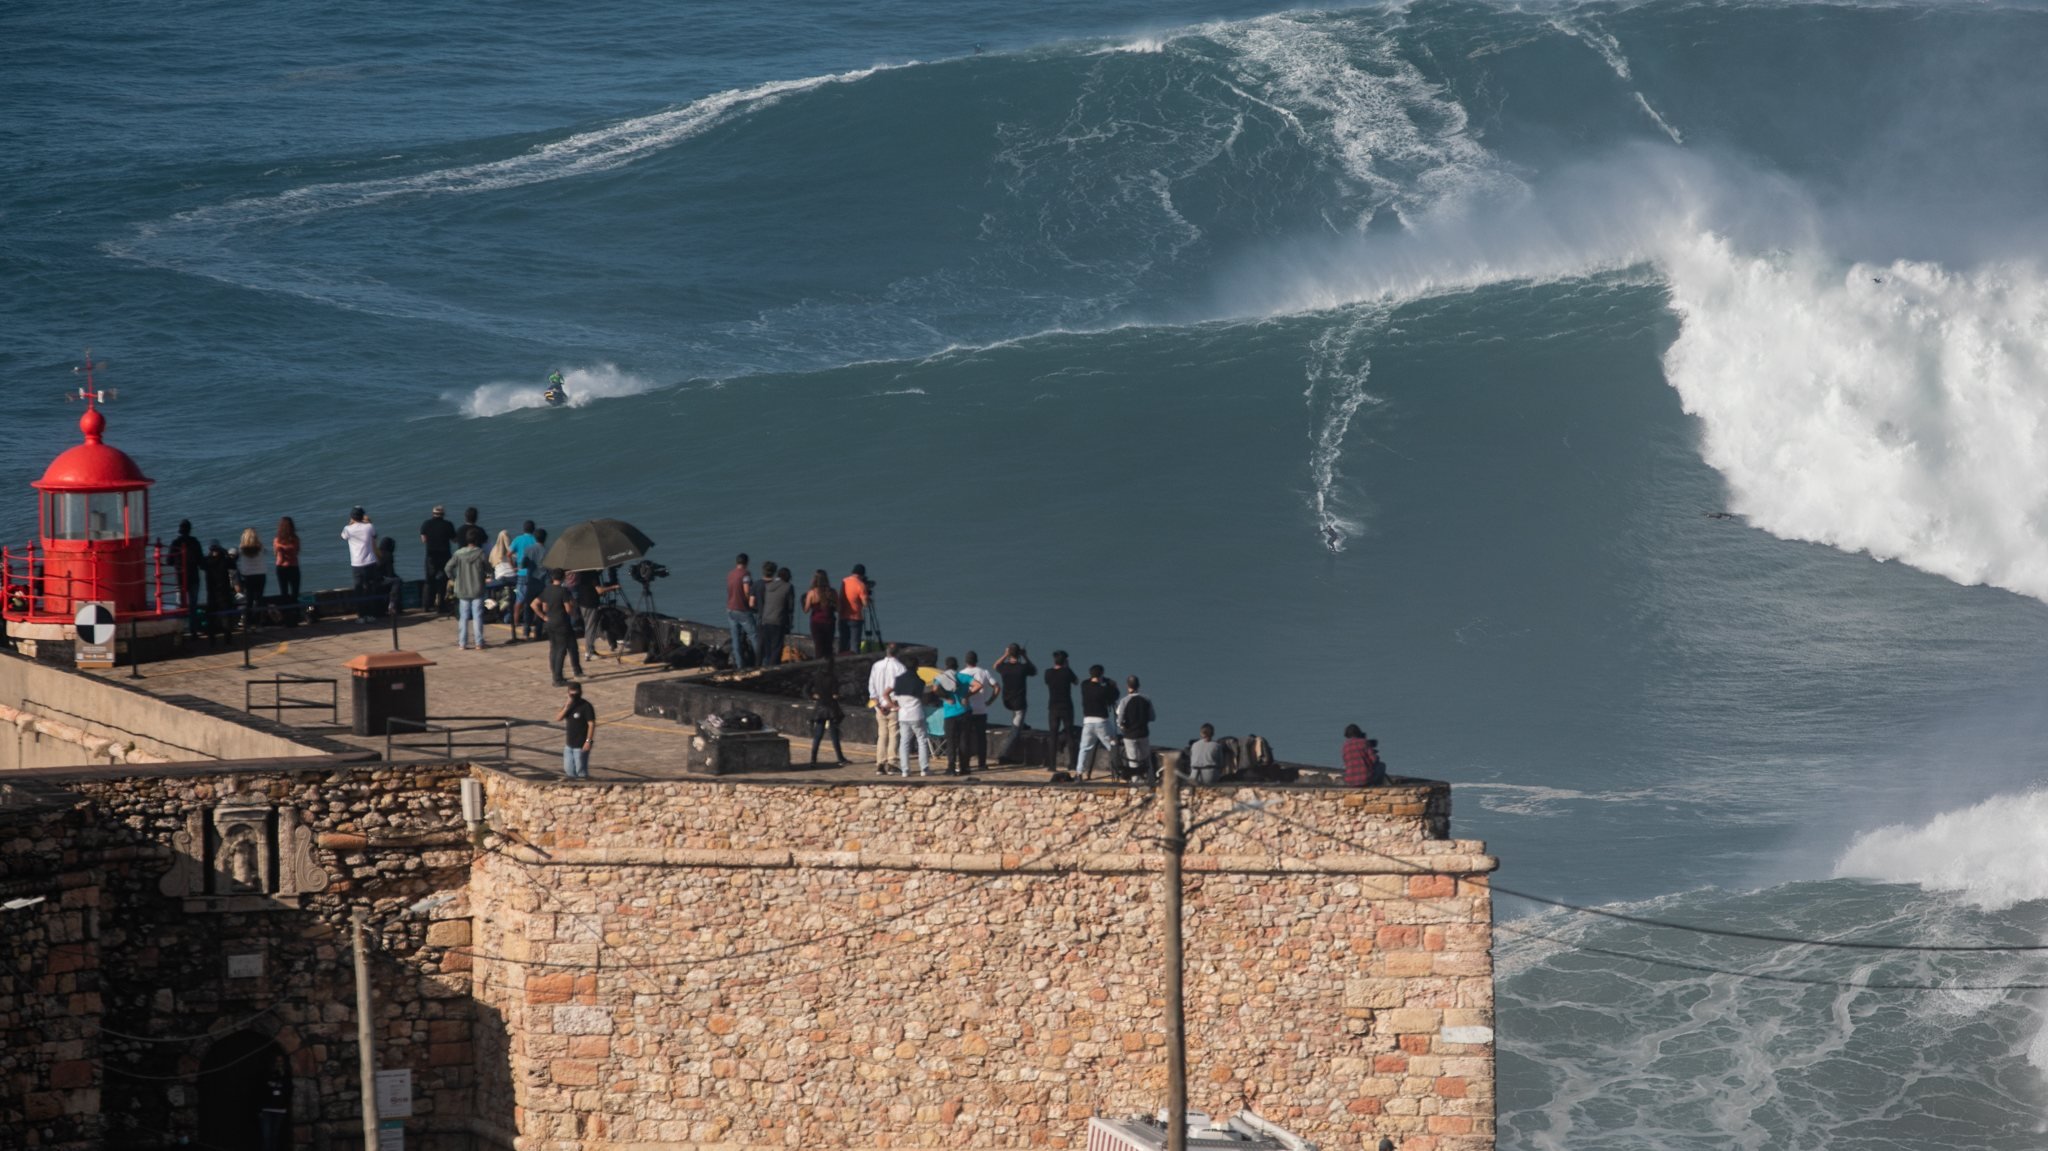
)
(1397, 359)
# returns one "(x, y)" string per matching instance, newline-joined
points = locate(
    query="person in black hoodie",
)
(186, 556)
(1059, 712)
(825, 694)
(1015, 669)
(437, 538)
(219, 569)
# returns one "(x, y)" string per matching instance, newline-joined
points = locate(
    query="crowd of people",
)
(465, 570)
(761, 611)
(1118, 721)
(224, 588)
(221, 588)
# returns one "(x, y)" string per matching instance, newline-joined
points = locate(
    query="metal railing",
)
(281, 703)
(30, 590)
(503, 742)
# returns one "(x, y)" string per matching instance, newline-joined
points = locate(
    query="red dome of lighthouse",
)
(92, 466)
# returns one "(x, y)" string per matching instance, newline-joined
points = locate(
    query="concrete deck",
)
(481, 691)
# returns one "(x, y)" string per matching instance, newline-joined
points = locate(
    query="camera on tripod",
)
(645, 573)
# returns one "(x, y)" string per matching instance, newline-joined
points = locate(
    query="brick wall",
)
(700, 965)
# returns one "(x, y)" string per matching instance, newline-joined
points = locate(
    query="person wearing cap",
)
(854, 592)
(437, 535)
(361, 536)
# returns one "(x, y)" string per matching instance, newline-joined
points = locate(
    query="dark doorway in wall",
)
(242, 1075)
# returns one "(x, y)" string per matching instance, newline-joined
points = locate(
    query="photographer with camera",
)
(855, 593)
(1015, 669)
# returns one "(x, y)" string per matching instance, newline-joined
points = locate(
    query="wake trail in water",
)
(1337, 371)
(584, 385)
(1586, 30)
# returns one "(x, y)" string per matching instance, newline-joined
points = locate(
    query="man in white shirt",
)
(982, 688)
(361, 537)
(881, 693)
(907, 694)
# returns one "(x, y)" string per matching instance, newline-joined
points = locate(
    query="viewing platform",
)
(496, 707)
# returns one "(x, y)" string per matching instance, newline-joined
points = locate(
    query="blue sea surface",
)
(1380, 365)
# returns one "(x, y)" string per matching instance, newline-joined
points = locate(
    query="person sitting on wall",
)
(1206, 759)
(1362, 765)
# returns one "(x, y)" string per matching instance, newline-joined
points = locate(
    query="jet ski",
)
(556, 395)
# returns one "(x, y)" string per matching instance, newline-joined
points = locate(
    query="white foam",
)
(600, 149)
(585, 386)
(1900, 410)
(1396, 134)
(1994, 854)
(1142, 45)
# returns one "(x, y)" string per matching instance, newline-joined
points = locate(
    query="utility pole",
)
(365, 1042)
(1173, 843)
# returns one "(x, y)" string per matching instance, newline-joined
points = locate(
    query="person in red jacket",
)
(1362, 766)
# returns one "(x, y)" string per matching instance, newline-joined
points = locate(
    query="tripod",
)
(871, 627)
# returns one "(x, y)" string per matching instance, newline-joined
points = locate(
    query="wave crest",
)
(1989, 854)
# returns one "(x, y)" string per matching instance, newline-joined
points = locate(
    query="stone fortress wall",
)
(739, 966)
(698, 965)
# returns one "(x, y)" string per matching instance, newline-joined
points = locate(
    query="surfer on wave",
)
(557, 394)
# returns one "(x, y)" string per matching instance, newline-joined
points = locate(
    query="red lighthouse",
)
(93, 520)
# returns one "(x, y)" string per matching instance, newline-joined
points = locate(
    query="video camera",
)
(647, 571)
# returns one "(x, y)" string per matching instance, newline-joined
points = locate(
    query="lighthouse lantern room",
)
(94, 547)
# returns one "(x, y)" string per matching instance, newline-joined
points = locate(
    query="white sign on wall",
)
(394, 1094)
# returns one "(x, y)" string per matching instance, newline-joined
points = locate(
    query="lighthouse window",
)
(95, 515)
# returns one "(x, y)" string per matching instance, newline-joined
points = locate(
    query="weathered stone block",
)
(448, 933)
(582, 1021)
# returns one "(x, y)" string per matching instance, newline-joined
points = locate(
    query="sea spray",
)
(1994, 854)
(584, 385)
(1897, 409)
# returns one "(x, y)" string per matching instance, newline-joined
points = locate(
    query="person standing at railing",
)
(361, 536)
(253, 574)
(219, 569)
(466, 569)
(185, 557)
(438, 537)
(285, 552)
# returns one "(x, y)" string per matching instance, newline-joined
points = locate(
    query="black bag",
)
(736, 720)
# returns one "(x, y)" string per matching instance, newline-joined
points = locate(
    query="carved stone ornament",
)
(243, 857)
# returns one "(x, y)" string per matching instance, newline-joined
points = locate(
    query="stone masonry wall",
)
(49, 989)
(132, 1019)
(699, 965)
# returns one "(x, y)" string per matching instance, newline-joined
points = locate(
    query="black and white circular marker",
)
(95, 624)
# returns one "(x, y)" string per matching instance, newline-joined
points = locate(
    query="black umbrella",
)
(596, 544)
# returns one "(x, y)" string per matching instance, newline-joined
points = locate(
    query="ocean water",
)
(1375, 365)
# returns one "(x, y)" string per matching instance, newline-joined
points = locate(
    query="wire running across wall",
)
(1688, 965)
